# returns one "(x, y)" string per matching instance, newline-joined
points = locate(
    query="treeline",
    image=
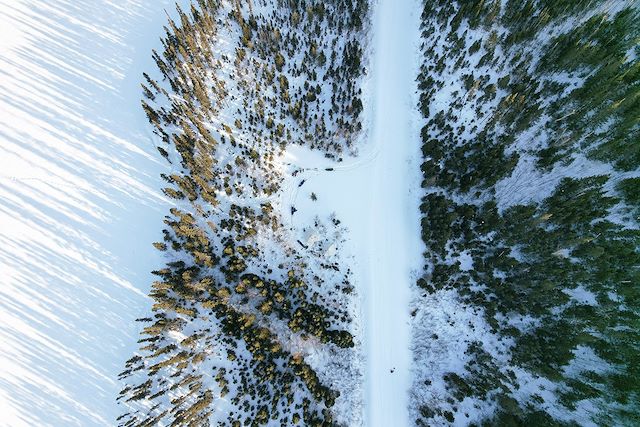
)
(553, 84)
(233, 91)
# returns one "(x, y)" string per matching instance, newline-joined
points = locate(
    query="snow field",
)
(79, 180)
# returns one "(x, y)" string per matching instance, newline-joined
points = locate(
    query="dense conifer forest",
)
(527, 308)
(241, 316)
(381, 213)
(531, 144)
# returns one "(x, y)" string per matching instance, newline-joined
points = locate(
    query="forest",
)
(530, 168)
(526, 310)
(238, 310)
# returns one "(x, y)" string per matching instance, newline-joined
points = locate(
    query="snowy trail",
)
(79, 204)
(376, 195)
(394, 230)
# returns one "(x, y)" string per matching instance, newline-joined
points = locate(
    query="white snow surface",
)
(376, 196)
(79, 203)
(79, 180)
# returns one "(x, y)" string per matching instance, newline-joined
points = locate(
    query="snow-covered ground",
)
(394, 231)
(376, 196)
(79, 203)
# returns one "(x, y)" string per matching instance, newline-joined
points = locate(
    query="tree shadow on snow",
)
(79, 204)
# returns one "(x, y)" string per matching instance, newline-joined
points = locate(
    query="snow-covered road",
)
(79, 204)
(376, 196)
(394, 245)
